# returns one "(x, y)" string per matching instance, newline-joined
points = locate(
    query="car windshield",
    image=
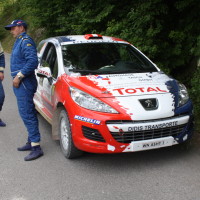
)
(105, 58)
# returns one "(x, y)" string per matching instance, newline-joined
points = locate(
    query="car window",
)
(105, 57)
(49, 59)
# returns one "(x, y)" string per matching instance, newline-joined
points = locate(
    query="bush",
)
(195, 95)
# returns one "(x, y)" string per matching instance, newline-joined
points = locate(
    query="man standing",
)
(2, 94)
(23, 63)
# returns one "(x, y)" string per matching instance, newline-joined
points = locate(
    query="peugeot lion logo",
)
(149, 104)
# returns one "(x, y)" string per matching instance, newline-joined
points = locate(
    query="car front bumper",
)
(111, 137)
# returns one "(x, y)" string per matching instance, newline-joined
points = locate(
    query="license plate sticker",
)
(150, 144)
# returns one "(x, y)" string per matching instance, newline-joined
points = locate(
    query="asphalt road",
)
(165, 174)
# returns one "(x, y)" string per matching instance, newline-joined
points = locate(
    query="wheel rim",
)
(64, 134)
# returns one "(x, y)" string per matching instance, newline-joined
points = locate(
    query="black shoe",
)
(26, 147)
(2, 124)
(35, 153)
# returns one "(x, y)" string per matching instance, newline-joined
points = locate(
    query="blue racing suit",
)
(24, 60)
(2, 66)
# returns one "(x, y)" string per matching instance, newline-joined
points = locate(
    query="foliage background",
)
(167, 31)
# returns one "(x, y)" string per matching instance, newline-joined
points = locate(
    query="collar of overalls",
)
(21, 35)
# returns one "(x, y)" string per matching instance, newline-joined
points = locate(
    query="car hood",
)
(141, 96)
(116, 85)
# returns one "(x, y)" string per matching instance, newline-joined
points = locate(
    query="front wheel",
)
(66, 141)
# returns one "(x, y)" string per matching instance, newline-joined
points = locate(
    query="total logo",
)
(43, 72)
(123, 91)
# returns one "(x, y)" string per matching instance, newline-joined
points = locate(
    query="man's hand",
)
(1, 76)
(16, 82)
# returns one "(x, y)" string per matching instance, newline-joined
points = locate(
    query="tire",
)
(66, 142)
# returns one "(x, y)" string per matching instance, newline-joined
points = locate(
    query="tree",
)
(167, 31)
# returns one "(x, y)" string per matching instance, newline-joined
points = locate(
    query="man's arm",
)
(30, 54)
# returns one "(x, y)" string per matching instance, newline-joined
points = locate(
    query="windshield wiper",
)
(126, 71)
(85, 71)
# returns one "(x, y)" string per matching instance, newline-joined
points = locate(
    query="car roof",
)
(85, 38)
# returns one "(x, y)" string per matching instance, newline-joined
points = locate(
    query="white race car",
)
(102, 95)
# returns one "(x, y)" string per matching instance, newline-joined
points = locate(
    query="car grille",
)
(92, 134)
(128, 137)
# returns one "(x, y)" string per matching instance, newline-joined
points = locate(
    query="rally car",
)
(102, 95)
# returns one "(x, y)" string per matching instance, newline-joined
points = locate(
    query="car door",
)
(46, 86)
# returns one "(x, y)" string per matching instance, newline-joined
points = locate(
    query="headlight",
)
(87, 101)
(183, 95)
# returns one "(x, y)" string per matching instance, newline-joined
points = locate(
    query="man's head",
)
(17, 27)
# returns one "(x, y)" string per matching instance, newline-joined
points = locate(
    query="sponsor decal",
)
(122, 75)
(142, 126)
(88, 120)
(154, 126)
(143, 80)
(43, 72)
(123, 91)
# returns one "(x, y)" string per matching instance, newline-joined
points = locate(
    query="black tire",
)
(66, 141)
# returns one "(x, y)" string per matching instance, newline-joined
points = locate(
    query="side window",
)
(49, 59)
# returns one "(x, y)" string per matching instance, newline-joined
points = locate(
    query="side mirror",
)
(45, 72)
(39, 57)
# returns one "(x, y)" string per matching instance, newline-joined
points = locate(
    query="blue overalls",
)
(2, 66)
(24, 59)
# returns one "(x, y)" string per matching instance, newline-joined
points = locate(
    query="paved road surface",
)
(164, 174)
